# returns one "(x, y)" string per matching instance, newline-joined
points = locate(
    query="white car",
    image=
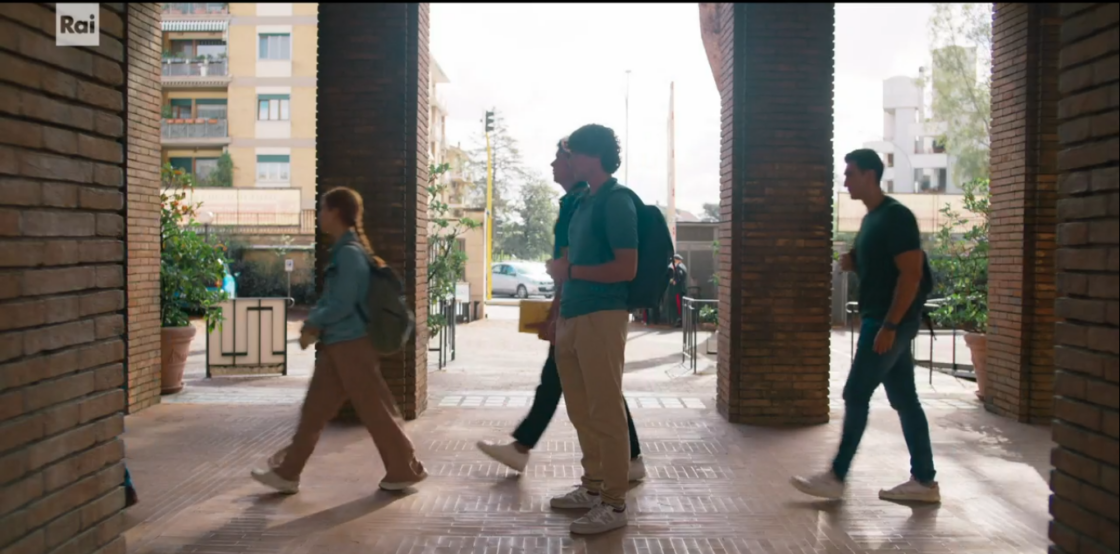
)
(521, 279)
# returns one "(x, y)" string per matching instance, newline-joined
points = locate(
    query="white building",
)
(915, 161)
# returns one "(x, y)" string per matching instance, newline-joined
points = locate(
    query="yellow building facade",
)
(239, 79)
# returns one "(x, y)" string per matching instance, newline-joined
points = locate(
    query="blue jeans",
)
(895, 370)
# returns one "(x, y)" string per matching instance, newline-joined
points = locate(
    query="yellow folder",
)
(533, 312)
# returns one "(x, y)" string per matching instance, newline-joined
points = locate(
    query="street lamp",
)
(205, 218)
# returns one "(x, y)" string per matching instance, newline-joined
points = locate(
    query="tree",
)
(223, 175)
(711, 212)
(529, 237)
(960, 263)
(446, 261)
(961, 41)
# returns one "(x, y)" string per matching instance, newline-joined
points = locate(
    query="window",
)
(211, 108)
(185, 164)
(203, 167)
(276, 46)
(273, 107)
(181, 108)
(211, 48)
(942, 179)
(274, 169)
(890, 160)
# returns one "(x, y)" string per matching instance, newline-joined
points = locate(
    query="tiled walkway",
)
(713, 487)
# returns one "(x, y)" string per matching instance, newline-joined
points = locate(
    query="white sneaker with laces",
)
(913, 491)
(270, 479)
(507, 454)
(637, 469)
(824, 485)
(579, 498)
(601, 518)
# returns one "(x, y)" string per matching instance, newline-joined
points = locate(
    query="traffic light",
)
(490, 122)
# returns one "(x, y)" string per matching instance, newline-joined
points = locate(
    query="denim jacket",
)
(346, 283)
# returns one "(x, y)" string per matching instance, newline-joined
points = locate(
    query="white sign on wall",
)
(77, 25)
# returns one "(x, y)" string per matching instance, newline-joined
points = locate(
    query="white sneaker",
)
(575, 500)
(637, 469)
(396, 486)
(824, 485)
(270, 479)
(913, 491)
(600, 519)
(507, 454)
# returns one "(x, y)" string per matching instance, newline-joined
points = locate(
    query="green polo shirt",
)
(568, 204)
(588, 246)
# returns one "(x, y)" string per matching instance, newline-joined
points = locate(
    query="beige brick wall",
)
(62, 284)
(143, 206)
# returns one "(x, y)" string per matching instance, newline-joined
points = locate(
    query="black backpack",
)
(655, 250)
(389, 322)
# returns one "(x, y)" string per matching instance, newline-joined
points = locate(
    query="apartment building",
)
(239, 86)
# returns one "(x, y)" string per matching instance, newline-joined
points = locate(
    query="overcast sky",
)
(524, 59)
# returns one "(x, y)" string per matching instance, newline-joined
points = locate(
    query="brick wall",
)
(61, 285)
(1023, 201)
(776, 200)
(372, 136)
(1087, 341)
(142, 172)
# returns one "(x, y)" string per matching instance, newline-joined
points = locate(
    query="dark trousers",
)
(545, 402)
(895, 371)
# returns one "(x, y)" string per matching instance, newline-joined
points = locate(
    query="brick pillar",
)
(776, 204)
(372, 137)
(1023, 201)
(142, 172)
(62, 284)
(1087, 341)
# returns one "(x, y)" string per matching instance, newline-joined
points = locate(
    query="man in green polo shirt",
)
(602, 259)
(891, 266)
(516, 454)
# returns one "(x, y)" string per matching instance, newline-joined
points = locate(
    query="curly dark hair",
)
(600, 142)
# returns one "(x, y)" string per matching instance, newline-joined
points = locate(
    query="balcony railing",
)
(174, 68)
(188, 129)
(196, 8)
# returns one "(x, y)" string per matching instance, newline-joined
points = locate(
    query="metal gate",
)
(252, 339)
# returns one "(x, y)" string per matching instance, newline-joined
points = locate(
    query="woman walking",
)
(348, 364)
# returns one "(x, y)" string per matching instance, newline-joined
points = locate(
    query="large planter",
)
(978, 347)
(175, 346)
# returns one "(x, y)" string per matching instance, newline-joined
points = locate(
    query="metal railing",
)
(196, 8)
(445, 340)
(196, 129)
(690, 321)
(852, 309)
(191, 68)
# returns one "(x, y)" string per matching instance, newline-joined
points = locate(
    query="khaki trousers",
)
(350, 370)
(590, 353)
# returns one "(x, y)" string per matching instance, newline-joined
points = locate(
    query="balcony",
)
(196, 8)
(253, 211)
(179, 73)
(194, 132)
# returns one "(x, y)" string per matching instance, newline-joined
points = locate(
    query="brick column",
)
(372, 137)
(1087, 340)
(776, 204)
(145, 43)
(1023, 199)
(62, 284)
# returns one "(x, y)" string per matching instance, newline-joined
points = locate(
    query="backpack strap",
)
(363, 309)
(599, 219)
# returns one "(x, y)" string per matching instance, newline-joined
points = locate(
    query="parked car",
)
(521, 279)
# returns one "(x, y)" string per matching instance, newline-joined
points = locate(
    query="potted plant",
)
(962, 264)
(188, 264)
(165, 111)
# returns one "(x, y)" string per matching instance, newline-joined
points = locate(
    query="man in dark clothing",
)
(678, 284)
(547, 399)
(890, 263)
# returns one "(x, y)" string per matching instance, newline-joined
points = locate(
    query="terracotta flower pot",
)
(978, 347)
(175, 345)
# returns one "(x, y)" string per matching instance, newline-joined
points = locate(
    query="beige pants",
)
(350, 370)
(590, 353)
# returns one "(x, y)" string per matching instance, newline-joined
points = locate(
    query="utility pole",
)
(489, 204)
(626, 154)
(672, 180)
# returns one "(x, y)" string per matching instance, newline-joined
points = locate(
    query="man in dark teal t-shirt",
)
(601, 260)
(890, 263)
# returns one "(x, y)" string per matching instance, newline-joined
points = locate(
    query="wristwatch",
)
(890, 326)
